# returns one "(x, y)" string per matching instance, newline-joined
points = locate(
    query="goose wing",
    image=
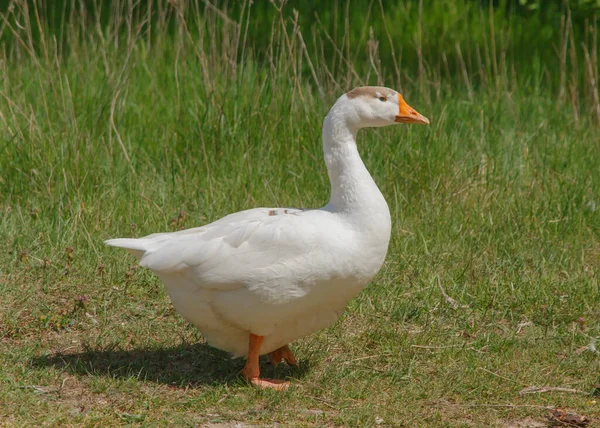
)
(248, 248)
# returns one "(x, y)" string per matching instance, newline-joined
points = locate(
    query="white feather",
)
(281, 273)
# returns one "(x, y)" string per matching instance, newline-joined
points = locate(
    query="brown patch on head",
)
(272, 212)
(370, 92)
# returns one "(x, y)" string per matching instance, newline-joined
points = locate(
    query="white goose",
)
(256, 280)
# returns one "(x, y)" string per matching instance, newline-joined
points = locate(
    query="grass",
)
(491, 280)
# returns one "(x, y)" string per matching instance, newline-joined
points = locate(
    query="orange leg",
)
(252, 372)
(281, 354)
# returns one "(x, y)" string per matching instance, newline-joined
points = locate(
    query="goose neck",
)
(352, 187)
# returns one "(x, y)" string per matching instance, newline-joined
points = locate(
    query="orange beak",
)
(407, 114)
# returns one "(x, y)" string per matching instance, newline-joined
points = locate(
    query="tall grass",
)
(126, 118)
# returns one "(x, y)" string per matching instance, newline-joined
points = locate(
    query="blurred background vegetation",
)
(435, 44)
(134, 73)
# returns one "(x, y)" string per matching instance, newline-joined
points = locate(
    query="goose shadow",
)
(183, 365)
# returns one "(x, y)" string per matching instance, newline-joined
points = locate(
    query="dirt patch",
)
(524, 423)
(228, 425)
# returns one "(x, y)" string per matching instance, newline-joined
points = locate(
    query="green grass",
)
(496, 205)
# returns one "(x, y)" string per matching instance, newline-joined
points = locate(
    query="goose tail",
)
(137, 247)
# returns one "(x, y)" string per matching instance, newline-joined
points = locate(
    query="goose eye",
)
(382, 99)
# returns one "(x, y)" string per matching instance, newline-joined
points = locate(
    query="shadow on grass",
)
(183, 366)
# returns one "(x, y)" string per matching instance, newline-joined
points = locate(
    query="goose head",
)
(376, 106)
